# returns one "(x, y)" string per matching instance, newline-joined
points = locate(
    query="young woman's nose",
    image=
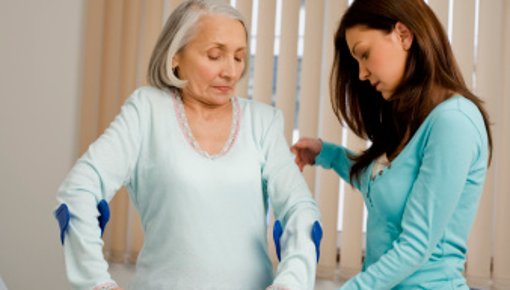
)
(363, 72)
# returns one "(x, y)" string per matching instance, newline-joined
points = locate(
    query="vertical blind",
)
(121, 34)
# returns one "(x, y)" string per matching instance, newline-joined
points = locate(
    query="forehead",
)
(219, 29)
(361, 33)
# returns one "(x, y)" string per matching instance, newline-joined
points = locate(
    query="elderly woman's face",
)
(213, 61)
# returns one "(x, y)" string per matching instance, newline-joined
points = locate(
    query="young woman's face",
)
(381, 56)
(213, 61)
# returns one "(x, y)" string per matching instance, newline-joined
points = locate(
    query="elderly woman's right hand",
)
(306, 150)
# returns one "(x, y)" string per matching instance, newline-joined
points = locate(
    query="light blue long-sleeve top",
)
(204, 217)
(421, 207)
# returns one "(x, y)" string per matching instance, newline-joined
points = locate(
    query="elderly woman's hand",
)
(276, 287)
(306, 150)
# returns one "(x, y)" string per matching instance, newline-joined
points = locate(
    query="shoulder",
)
(260, 115)
(147, 94)
(261, 119)
(147, 101)
(258, 108)
(456, 122)
(458, 113)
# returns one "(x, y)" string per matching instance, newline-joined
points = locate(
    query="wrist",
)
(318, 150)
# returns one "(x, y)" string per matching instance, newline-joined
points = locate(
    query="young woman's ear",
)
(405, 35)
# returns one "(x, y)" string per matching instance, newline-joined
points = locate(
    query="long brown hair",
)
(431, 76)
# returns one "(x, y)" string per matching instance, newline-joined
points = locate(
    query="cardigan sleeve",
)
(337, 157)
(452, 146)
(97, 175)
(294, 206)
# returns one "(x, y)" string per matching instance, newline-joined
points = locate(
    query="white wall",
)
(40, 60)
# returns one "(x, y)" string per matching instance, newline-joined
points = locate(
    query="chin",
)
(221, 99)
(387, 96)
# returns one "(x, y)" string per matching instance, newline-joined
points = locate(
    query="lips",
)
(375, 84)
(223, 89)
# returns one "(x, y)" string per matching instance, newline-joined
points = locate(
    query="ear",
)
(405, 35)
(175, 62)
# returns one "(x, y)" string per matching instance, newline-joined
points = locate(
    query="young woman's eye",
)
(213, 57)
(364, 56)
(238, 59)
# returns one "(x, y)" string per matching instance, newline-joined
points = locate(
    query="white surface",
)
(2, 285)
(122, 273)
(40, 52)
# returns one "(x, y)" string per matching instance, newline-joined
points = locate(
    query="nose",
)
(363, 72)
(229, 69)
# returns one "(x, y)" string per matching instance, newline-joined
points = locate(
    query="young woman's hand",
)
(306, 149)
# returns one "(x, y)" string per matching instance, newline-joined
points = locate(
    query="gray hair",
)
(176, 34)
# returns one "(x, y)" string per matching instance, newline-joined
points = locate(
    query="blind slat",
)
(330, 130)
(130, 34)
(151, 26)
(501, 274)
(91, 83)
(352, 233)
(151, 23)
(115, 236)
(263, 75)
(441, 8)
(109, 100)
(463, 33)
(287, 64)
(480, 245)
(172, 4)
(245, 7)
(129, 43)
(311, 76)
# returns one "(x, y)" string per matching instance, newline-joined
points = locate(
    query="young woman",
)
(395, 82)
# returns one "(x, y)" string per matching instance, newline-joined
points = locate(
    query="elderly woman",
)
(201, 166)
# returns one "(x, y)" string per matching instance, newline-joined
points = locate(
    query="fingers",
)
(299, 161)
(306, 150)
(303, 158)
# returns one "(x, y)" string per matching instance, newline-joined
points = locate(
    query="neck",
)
(206, 111)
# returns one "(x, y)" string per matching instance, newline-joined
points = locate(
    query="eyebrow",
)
(354, 47)
(222, 46)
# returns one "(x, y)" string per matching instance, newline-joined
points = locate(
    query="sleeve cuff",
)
(325, 156)
(277, 287)
(106, 286)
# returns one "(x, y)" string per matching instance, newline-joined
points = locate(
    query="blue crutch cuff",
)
(317, 237)
(277, 234)
(62, 215)
(104, 214)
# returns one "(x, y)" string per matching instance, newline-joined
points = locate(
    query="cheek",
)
(200, 75)
(391, 66)
(207, 72)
